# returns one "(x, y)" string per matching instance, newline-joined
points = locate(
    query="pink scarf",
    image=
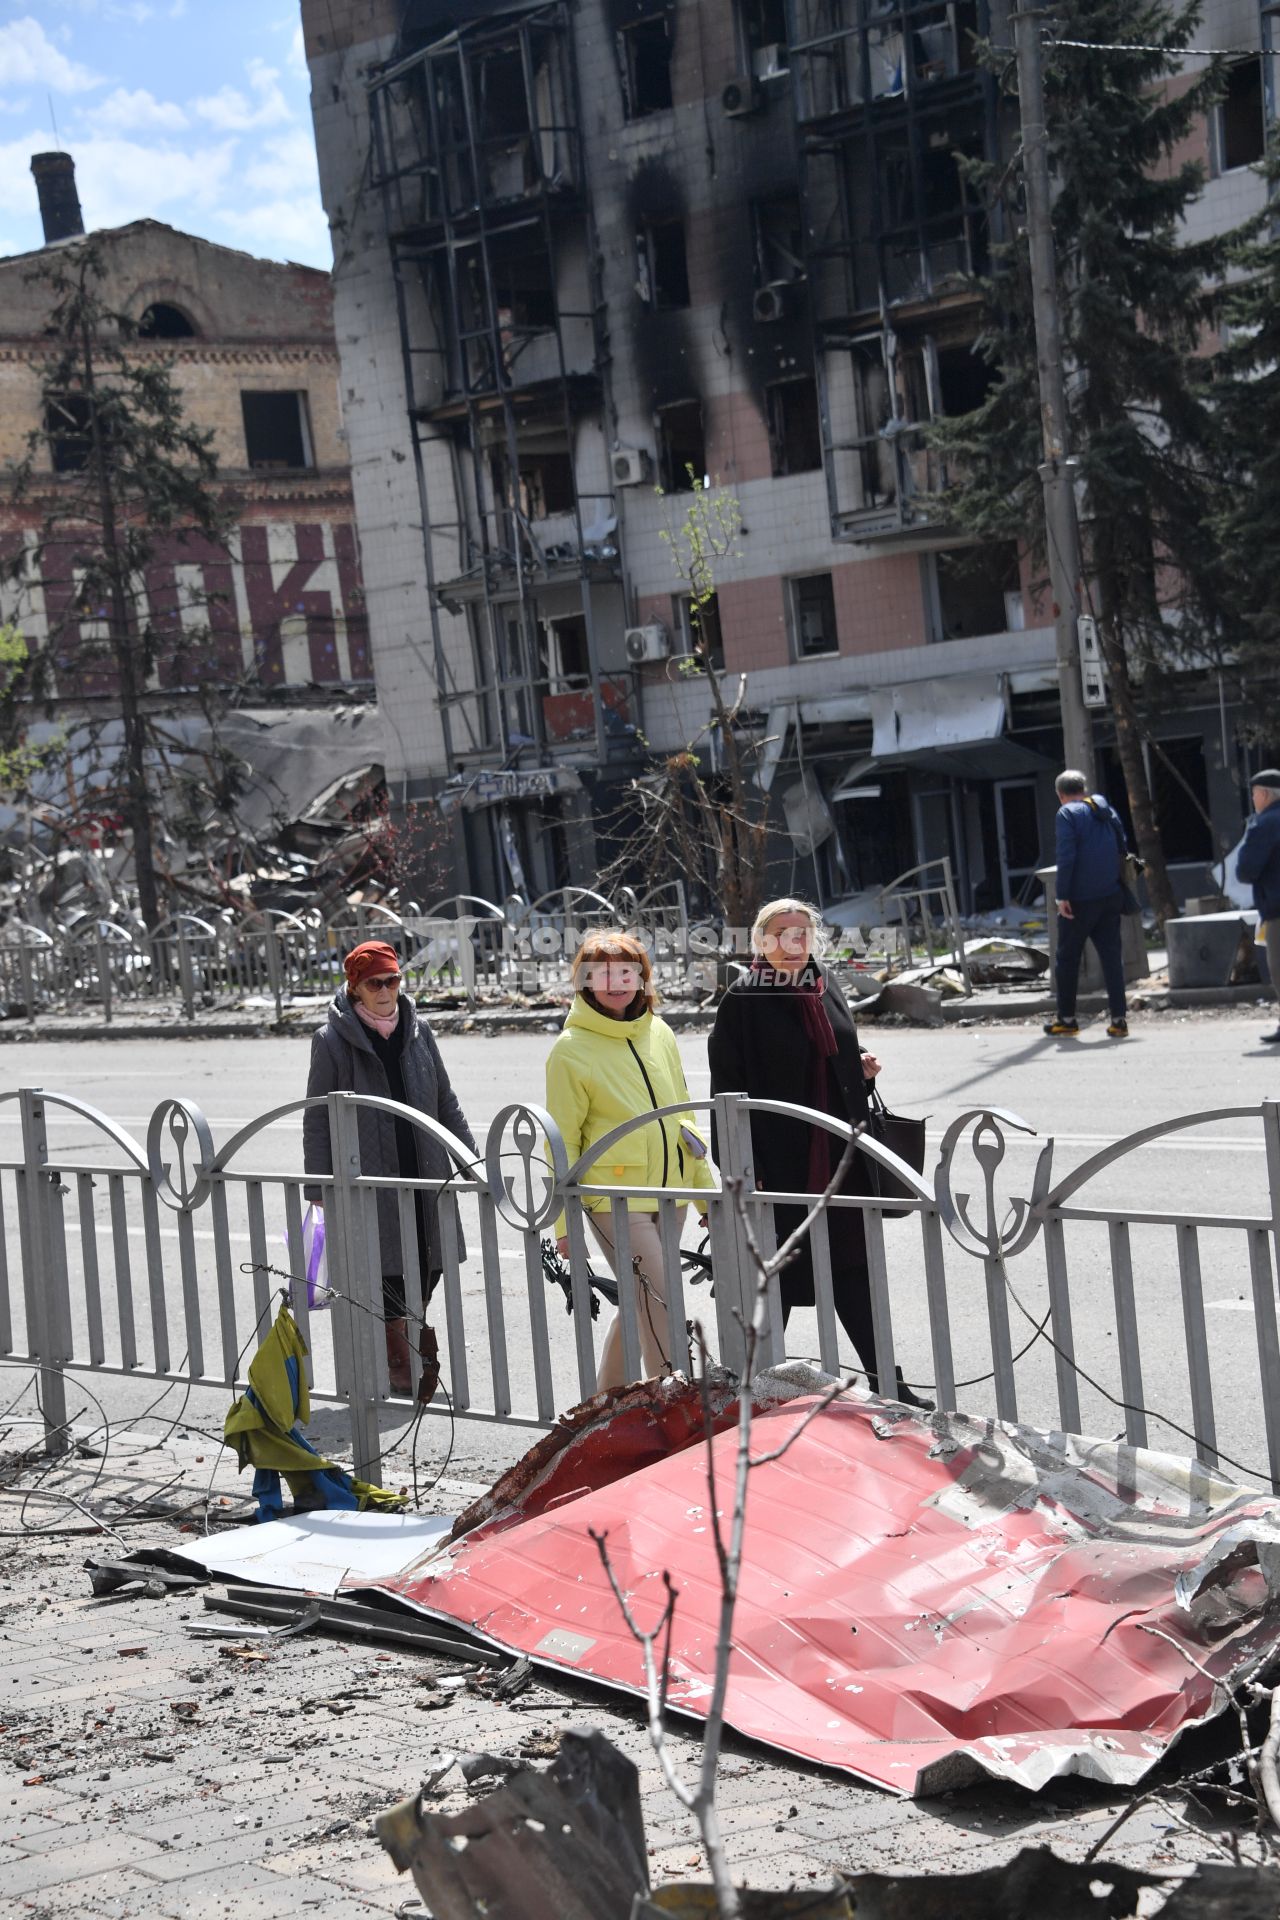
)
(383, 1024)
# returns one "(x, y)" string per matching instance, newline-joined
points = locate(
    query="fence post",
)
(346, 1249)
(275, 972)
(104, 976)
(731, 1262)
(186, 977)
(48, 1278)
(28, 976)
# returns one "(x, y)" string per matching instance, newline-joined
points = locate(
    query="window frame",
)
(626, 43)
(1222, 165)
(794, 584)
(303, 399)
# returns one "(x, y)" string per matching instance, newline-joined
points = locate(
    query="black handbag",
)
(902, 1136)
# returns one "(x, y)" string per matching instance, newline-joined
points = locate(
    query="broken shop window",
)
(795, 430)
(277, 430)
(644, 55)
(1242, 121)
(663, 279)
(813, 616)
(544, 481)
(682, 446)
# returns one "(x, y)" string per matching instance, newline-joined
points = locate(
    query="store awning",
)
(952, 725)
(490, 787)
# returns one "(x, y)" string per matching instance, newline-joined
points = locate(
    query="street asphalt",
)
(1085, 1093)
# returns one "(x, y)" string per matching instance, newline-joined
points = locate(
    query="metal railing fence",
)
(996, 1288)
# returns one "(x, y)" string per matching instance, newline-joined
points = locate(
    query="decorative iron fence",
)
(996, 1288)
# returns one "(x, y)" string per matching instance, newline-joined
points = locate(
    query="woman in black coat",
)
(785, 1032)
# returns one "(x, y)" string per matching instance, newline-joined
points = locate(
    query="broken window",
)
(66, 423)
(795, 431)
(965, 380)
(645, 52)
(778, 227)
(813, 616)
(164, 322)
(664, 265)
(524, 290)
(277, 432)
(682, 446)
(1242, 121)
(764, 29)
(977, 588)
(568, 662)
(544, 481)
(699, 630)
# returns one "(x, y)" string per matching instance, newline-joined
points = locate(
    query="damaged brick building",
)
(584, 250)
(253, 353)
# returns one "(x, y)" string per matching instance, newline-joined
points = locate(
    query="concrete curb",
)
(682, 1019)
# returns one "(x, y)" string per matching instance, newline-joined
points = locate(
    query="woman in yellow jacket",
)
(615, 1060)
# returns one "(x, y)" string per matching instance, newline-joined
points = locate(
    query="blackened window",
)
(665, 264)
(549, 480)
(276, 430)
(764, 24)
(976, 588)
(965, 380)
(682, 446)
(66, 422)
(795, 434)
(813, 616)
(645, 48)
(524, 289)
(700, 630)
(779, 239)
(164, 322)
(1242, 118)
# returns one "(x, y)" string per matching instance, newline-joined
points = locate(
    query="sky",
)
(194, 112)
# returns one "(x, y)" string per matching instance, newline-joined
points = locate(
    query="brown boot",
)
(398, 1372)
(429, 1351)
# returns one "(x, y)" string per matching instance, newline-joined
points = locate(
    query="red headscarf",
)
(370, 957)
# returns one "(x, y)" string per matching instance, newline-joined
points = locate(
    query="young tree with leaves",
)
(131, 474)
(709, 827)
(1137, 297)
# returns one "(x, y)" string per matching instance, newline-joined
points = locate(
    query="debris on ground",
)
(930, 1598)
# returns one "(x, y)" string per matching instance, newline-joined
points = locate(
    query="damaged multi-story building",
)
(589, 250)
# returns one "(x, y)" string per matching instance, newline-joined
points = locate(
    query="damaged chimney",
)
(59, 202)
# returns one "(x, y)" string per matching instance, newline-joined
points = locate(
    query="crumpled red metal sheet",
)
(923, 1599)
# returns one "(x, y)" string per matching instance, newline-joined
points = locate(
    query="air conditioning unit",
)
(769, 303)
(770, 63)
(646, 643)
(741, 96)
(630, 466)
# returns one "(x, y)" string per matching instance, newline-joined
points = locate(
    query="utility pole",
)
(1056, 472)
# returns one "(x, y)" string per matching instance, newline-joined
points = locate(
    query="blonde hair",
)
(610, 943)
(772, 909)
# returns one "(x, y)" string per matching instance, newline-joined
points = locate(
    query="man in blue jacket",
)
(1090, 848)
(1258, 862)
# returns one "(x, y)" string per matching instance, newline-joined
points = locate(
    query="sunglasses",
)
(384, 981)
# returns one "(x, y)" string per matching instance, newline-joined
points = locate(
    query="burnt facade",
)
(587, 252)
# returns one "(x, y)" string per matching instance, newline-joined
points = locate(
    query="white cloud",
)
(125, 112)
(284, 165)
(122, 180)
(297, 55)
(28, 57)
(232, 111)
(285, 229)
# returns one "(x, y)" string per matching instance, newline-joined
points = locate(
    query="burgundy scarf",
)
(820, 1038)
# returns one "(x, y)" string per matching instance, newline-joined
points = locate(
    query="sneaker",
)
(1118, 1030)
(1060, 1029)
(1270, 1039)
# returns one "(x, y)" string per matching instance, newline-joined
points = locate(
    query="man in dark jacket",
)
(1258, 862)
(1090, 850)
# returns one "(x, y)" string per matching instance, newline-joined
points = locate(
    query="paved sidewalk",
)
(146, 1772)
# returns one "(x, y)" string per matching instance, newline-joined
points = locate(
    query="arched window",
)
(161, 321)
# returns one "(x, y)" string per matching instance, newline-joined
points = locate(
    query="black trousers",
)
(394, 1299)
(850, 1284)
(1099, 921)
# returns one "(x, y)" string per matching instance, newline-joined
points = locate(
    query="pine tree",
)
(131, 472)
(1137, 299)
(1248, 395)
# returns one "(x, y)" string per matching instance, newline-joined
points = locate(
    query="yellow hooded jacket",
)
(602, 1072)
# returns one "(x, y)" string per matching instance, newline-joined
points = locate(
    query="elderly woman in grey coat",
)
(374, 1042)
